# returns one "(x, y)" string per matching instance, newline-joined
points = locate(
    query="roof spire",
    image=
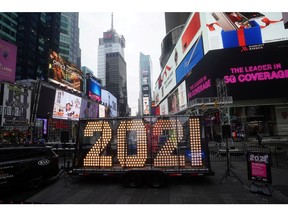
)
(112, 20)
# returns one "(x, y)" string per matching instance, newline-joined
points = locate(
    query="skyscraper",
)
(145, 84)
(36, 34)
(110, 43)
(8, 27)
(69, 38)
(112, 67)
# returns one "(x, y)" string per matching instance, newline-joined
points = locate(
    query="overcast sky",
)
(143, 32)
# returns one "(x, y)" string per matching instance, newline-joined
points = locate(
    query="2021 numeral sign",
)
(163, 158)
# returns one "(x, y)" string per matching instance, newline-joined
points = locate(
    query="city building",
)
(110, 43)
(8, 27)
(116, 81)
(112, 67)
(37, 33)
(145, 70)
(174, 23)
(69, 38)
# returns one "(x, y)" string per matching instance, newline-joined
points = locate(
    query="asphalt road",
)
(218, 189)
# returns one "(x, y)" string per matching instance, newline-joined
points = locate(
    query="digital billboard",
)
(8, 54)
(66, 106)
(146, 106)
(177, 100)
(195, 54)
(110, 100)
(189, 42)
(102, 111)
(232, 29)
(164, 107)
(252, 72)
(64, 73)
(16, 105)
(89, 109)
(94, 89)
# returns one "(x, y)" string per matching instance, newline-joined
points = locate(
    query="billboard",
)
(190, 39)
(8, 54)
(177, 100)
(259, 71)
(194, 55)
(94, 89)
(146, 106)
(64, 73)
(16, 105)
(164, 107)
(102, 111)
(89, 109)
(66, 106)
(111, 101)
(225, 30)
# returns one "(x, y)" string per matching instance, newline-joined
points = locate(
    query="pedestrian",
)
(259, 138)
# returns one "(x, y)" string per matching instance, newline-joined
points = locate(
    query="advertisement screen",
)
(146, 106)
(8, 54)
(250, 72)
(101, 111)
(195, 54)
(111, 100)
(94, 89)
(164, 107)
(234, 29)
(89, 109)
(66, 106)
(188, 43)
(16, 107)
(64, 73)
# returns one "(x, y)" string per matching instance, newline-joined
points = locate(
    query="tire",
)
(34, 180)
(133, 179)
(156, 179)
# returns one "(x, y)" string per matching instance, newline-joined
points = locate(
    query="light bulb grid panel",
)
(93, 157)
(164, 158)
(140, 158)
(195, 141)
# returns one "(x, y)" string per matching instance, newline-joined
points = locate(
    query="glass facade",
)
(69, 37)
(8, 27)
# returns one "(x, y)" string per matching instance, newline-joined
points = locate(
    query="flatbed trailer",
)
(142, 148)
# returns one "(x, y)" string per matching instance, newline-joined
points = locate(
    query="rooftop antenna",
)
(112, 20)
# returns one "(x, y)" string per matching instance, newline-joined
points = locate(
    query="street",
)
(218, 189)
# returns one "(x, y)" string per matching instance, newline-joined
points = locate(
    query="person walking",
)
(259, 139)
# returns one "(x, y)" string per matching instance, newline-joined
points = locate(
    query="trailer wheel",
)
(132, 179)
(156, 179)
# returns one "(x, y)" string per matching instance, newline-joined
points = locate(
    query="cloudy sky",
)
(143, 32)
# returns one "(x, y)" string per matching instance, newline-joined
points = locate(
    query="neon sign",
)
(256, 73)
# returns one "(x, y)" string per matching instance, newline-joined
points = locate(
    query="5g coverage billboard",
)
(255, 72)
(64, 73)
